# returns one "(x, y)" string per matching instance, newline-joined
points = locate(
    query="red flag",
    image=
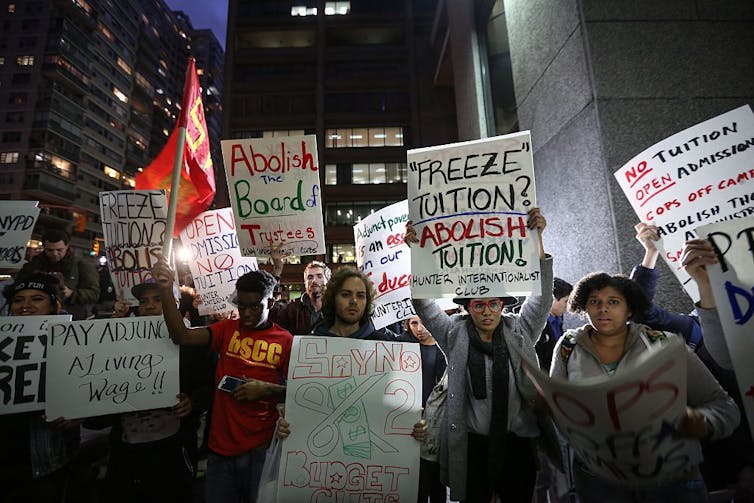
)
(197, 186)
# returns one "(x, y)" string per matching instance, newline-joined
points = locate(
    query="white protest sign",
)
(133, 222)
(468, 203)
(110, 366)
(275, 194)
(215, 260)
(701, 175)
(733, 287)
(383, 256)
(622, 427)
(23, 361)
(351, 405)
(17, 219)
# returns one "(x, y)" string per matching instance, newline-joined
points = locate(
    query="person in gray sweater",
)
(610, 343)
(486, 445)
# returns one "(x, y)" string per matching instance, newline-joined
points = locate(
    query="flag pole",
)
(167, 246)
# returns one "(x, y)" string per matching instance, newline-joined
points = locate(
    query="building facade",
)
(90, 91)
(359, 75)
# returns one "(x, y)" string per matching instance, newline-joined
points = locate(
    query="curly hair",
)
(336, 284)
(260, 282)
(314, 264)
(636, 298)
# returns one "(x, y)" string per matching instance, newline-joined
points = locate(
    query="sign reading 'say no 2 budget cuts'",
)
(275, 194)
(701, 175)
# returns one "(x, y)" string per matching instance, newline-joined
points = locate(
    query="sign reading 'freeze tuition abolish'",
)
(468, 203)
(275, 194)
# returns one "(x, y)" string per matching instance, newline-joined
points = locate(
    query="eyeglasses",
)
(494, 305)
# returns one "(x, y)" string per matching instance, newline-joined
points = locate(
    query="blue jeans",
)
(232, 479)
(592, 489)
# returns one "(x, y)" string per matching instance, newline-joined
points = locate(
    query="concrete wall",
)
(597, 81)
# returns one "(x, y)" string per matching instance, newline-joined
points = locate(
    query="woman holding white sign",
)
(610, 344)
(37, 453)
(486, 445)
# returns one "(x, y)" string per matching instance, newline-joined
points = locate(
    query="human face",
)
(31, 303)
(314, 282)
(150, 303)
(55, 251)
(608, 311)
(487, 320)
(351, 301)
(559, 306)
(417, 328)
(253, 309)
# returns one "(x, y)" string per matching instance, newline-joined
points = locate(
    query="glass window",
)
(8, 157)
(360, 174)
(331, 174)
(364, 137)
(342, 253)
(25, 60)
(393, 137)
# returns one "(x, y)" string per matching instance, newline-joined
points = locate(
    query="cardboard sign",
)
(703, 174)
(133, 222)
(621, 427)
(216, 262)
(275, 194)
(351, 405)
(110, 366)
(468, 203)
(733, 287)
(383, 256)
(23, 361)
(17, 220)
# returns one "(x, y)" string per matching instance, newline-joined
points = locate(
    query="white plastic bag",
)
(268, 482)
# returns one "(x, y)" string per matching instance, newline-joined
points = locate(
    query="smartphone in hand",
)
(229, 383)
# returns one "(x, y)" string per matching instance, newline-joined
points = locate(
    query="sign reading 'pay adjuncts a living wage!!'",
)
(468, 203)
(275, 194)
(703, 174)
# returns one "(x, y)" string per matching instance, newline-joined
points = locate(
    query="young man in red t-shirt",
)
(250, 348)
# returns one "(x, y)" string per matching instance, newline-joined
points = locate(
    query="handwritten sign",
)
(383, 256)
(109, 366)
(468, 202)
(216, 262)
(352, 405)
(622, 427)
(703, 174)
(133, 222)
(733, 287)
(17, 219)
(275, 194)
(23, 361)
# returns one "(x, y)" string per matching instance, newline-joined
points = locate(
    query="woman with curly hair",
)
(610, 343)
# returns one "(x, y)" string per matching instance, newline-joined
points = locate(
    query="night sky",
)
(204, 14)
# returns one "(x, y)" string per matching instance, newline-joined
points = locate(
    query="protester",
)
(433, 368)
(153, 453)
(79, 278)
(300, 315)
(254, 350)
(347, 307)
(486, 448)
(553, 330)
(37, 454)
(609, 343)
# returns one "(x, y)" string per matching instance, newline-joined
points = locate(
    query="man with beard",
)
(299, 316)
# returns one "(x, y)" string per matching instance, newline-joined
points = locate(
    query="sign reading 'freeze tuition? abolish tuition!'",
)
(275, 194)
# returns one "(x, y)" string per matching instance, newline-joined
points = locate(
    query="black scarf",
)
(499, 425)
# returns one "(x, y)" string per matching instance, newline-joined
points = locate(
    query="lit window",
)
(119, 94)
(302, 10)
(125, 66)
(11, 8)
(112, 173)
(129, 180)
(337, 8)
(8, 157)
(200, 71)
(25, 60)
(2, 60)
